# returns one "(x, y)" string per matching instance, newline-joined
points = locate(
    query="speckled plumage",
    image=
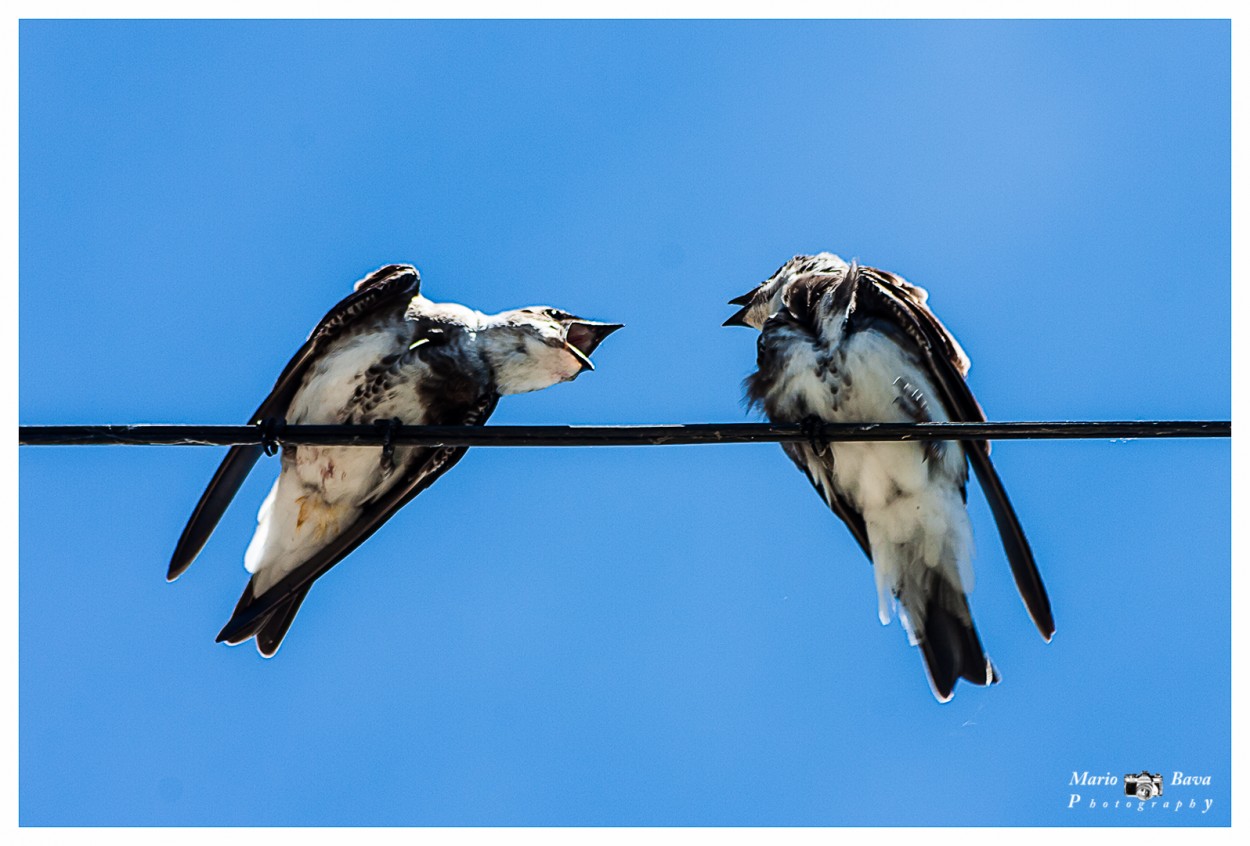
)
(841, 343)
(384, 353)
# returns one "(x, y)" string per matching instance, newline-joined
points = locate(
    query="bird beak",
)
(739, 317)
(583, 336)
(587, 364)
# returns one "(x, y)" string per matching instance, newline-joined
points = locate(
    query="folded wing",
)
(882, 295)
(268, 616)
(388, 287)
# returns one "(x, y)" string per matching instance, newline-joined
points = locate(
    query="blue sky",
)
(699, 643)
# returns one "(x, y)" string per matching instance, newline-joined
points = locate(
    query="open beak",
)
(583, 336)
(739, 317)
(587, 364)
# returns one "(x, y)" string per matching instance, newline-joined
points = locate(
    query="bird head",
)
(765, 300)
(535, 347)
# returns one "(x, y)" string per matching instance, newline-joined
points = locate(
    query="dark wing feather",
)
(819, 472)
(253, 615)
(879, 295)
(269, 638)
(221, 489)
(798, 318)
(385, 287)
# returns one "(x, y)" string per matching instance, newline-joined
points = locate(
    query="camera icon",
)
(1144, 785)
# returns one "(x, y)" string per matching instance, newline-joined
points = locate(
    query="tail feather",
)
(249, 595)
(949, 642)
(269, 638)
(268, 630)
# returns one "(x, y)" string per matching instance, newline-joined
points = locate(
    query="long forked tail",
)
(269, 629)
(949, 642)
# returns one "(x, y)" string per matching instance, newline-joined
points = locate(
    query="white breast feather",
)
(332, 379)
(322, 490)
(915, 518)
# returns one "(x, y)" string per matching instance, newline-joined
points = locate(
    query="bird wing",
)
(819, 471)
(386, 287)
(796, 322)
(882, 296)
(421, 471)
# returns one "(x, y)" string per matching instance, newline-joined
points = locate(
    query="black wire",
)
(548, 436)
(268, 432)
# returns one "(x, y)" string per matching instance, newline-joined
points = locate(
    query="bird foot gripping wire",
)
(814, 430)
(270, 430)
(388, 428)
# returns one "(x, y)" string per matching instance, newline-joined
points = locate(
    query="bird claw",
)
(911, 401)
(814, 430)
(270, 430)
(389, 428)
